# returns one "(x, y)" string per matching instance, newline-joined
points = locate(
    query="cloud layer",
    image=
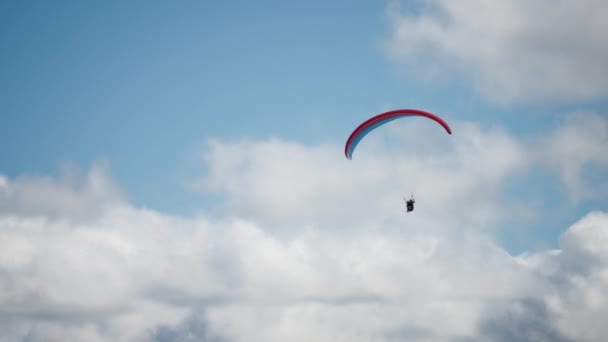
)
(512, 51)
(307, 247)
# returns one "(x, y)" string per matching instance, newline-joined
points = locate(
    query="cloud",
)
(512, 51)
(276, 182)
(526, 319)
(578, 145)
(309, 246)
(577, 290)
(74, 196)
(193, 329)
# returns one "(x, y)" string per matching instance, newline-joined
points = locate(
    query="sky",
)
(174, 171)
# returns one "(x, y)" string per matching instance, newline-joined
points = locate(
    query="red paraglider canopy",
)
(380, 119)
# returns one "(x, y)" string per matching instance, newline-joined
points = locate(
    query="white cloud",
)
(277, 182)
(74, 196)
(574, 147)
(578, 291)
(312, 247)
(511, 50)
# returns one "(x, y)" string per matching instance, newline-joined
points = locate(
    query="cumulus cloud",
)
(577, 292)
(512, 51)
(311, 247)
(74, 195)
(524, 319)
(277, 181)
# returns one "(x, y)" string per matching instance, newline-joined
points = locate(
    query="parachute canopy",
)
(380, 119)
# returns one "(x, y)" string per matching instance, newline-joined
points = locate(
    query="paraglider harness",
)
(410, 204)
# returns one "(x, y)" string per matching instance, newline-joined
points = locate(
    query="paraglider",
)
(374, 122)
(409, 204)
(370, 124)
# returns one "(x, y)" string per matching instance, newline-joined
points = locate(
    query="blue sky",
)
(212, 199)
(141, 85)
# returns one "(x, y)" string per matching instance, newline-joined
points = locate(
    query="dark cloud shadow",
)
(195, 328)
(521, 320)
